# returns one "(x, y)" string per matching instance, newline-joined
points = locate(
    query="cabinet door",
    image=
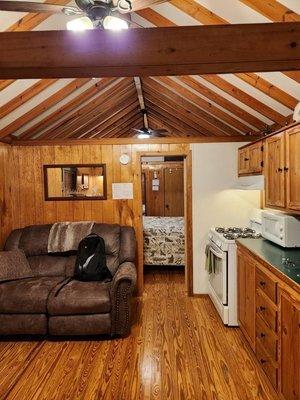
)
(243, 161)
(274, 170)
(289, 347)
(293, 168)
(256, 158)
(246, 296)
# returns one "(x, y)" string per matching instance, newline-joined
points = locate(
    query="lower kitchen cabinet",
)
(289, 347)
(270, 322)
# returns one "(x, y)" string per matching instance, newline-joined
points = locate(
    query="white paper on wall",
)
(121, 191)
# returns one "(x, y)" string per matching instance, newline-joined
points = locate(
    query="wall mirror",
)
(75, 182)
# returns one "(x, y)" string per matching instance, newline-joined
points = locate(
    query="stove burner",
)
(234, 232)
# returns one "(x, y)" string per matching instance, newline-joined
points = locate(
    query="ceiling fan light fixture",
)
(144, 136)
(114, 23)
(80, 24)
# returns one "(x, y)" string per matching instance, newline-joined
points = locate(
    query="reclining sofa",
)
(49, 303)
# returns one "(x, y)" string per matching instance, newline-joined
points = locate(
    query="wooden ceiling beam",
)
(125, 125)
(205, 120)
(116, 115)
(245, 98)
(173, 121)
(139, 90)
(177, 113)
(65, 109)
(152, 51)
(216, 98)
(205, 16)
(295, 75)
(186, 127)
(27, 23)
(119, 141)
(88, 122)
(113, 113)
(72, 121)
(271, 9)
(155, 123)
(43, 106)
(25, 96)
(5, 83)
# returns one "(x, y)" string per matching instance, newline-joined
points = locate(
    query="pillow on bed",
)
(14, 265)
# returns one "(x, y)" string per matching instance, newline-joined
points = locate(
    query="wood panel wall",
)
(24, 179)
(5, 203)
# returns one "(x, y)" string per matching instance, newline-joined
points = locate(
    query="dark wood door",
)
(174, 192)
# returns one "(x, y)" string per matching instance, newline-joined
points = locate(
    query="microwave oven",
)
(281, 229)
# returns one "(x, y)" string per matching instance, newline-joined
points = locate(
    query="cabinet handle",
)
(263, 361)
(262, 335)
(279, 170)
(286, 169)
(262, 308)
(246, 159)
(262, 283)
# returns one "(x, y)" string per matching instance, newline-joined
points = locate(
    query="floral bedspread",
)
(164, 241)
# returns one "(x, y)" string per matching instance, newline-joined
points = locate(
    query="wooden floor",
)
(178, 349)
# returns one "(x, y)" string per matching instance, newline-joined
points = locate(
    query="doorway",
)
(166, 198)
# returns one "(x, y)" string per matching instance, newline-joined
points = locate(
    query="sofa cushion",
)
(50, 265)
(111, 233)
(95, 324)
(28, 296)
(13, 240)
(78, 297)
(23, 324)
(34, 239)
(14, 265)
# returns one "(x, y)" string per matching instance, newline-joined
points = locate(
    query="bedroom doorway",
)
(165, 202)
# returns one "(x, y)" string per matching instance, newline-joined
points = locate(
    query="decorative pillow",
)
(14, 265)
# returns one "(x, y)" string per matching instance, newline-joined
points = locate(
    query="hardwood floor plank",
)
(178, 350)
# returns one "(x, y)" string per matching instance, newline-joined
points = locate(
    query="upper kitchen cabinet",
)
(292, 168)
(250, 159)
(275, 170)
(277, 156)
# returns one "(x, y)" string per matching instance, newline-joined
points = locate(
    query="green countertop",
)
(287, 261)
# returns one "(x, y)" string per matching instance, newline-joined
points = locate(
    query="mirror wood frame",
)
(83, 198)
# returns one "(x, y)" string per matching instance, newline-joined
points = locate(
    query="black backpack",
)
(91, 260)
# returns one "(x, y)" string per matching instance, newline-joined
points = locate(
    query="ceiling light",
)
(80, 24)
(114, 23)
(144, 136)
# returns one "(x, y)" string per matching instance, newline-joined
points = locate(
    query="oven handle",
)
(217, 254)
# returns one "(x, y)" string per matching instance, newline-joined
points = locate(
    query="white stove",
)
(222, 283)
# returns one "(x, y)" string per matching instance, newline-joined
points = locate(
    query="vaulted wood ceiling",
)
(206, 105)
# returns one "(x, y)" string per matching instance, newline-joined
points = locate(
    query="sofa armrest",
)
(122, 287)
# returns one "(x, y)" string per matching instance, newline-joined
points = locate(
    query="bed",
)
(164, 241)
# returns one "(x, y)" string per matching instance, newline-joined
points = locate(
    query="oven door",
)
(218, 278)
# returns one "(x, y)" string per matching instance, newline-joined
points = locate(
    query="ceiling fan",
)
(145, 132)
(90, 14)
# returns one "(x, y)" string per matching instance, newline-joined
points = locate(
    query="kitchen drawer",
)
(268, 366)
(266, 309)
(266, 284)
(266, 338)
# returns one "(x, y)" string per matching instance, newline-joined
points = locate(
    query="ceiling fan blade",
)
(140, 4)
(32, 7)
(159, 130)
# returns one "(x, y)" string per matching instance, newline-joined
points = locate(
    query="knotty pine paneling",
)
(5, 193)
(27, 204)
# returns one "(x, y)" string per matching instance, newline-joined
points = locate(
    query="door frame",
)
(188, 216)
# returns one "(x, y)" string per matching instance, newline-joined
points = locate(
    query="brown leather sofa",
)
(46, 304)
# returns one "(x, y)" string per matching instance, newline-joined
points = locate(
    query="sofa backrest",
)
(120, 245)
